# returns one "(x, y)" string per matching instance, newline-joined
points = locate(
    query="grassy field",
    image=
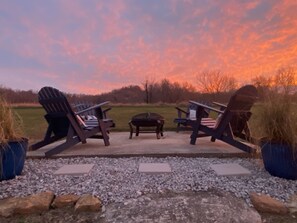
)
(35, 124)
(33, 121)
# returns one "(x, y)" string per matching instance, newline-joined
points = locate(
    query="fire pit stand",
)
(144, 121)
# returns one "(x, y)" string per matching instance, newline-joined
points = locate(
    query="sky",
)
(95, 46)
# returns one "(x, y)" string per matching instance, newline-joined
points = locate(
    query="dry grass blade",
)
(11, 124)
(278, 121)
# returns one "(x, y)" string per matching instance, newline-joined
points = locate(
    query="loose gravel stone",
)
(117, 179)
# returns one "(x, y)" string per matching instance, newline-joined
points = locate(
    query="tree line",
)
(211, 85)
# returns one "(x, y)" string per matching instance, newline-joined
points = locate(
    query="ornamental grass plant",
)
(10, 124)
(278, 120)
(13, 146)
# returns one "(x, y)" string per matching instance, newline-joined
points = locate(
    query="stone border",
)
(38, 203)
(41, 202)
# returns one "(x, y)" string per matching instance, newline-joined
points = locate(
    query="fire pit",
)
(145, 121)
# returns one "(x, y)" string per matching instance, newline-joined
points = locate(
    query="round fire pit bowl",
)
(145, 121)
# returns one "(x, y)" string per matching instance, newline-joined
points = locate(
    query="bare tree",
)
(285, 79)
(215, 82)
(148, 86)
(262, 81)
(166, 90)
(177, 92)
(263, 85)
(145, 85)
(188, 87)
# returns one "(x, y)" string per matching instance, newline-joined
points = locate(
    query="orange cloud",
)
(96, 47)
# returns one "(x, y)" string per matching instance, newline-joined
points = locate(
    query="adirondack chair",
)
(63, 122)
(232, 124)
(184, 115)
(89, 114)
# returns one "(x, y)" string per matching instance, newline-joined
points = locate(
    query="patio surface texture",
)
(171, 144)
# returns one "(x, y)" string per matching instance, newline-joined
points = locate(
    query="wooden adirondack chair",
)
(183, 116)
(232, 122)
(64, 122)
(89, 114)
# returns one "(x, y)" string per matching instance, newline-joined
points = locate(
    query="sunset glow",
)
(96, 46)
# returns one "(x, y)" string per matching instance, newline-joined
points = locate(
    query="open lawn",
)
(35, 124)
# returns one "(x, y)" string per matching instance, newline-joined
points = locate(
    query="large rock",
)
(7, 206)
(67, 200)
(266, 204)
(88, 202)
(198, 207)
(292, 205)
(36, 203)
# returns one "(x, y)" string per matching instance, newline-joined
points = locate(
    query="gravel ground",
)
(118, 179)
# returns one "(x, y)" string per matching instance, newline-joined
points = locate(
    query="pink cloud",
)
(101, 47)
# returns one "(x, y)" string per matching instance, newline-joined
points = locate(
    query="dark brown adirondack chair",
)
(232, 122)
(184, 115)
(64, 122)
(89, 114)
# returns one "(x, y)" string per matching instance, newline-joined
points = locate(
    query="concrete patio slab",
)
(74, 169)
(154, 168)
(230, 169)
(172, 144)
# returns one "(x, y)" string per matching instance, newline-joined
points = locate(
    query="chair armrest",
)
(92, 108)
(206, 106)
(219, 104)
(222, 106)
(105, 112)
(181, 110)
(75, 106)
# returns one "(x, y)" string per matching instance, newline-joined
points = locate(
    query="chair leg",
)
(104, 133)
(137, 130)
(158, 131)
(238, 144)
(194, 134)
(131, 130)
(62, 147)
(177, 127)
(45, 142)
(161, 130)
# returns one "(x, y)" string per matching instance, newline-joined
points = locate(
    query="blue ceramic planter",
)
(12, 159)
(279, 161)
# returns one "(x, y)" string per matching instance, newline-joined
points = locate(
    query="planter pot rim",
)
(23, 139)
(263, 141)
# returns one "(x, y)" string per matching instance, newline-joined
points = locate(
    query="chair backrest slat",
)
(243, 99)
(240, 105)
(57, 107)
(54, 101)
